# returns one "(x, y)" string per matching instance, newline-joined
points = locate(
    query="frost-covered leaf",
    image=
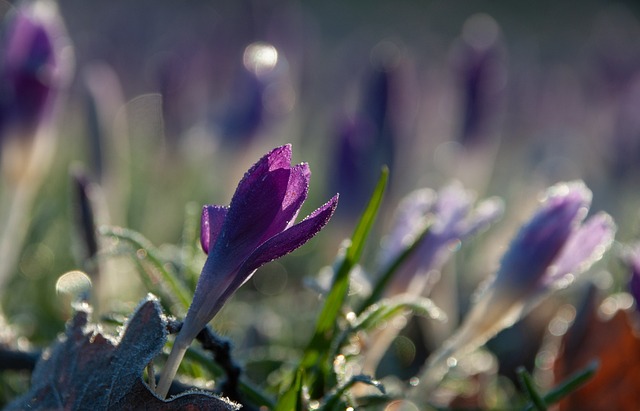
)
(87, 370)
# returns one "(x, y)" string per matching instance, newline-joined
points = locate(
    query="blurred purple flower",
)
(547, 254)
(624, 146)
(355, 168)
(454, 219)
(244, 112)
(260, 93)
(555, 244)
(29, 68)
(631, 256)
(256, 228)
(36, 62)
(613, 51)
(366, 139)
(481, 68)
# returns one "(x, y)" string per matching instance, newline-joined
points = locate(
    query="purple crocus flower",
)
(481, 66)
(631, 256)
(365, 139)
(454, 218)
(30, 69)
(256, 228)
(548, 253)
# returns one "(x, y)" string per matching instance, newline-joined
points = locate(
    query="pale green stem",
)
(171, 366)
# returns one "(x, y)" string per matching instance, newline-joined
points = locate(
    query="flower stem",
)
(15, 231)
(171, 366)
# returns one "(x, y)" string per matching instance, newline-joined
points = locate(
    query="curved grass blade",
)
(333, 401)
(571, 384)
(338, 293)
(315, 361)
(387, 275)
(151, 254)
(293, 399)
(387, 309)
(526, 382)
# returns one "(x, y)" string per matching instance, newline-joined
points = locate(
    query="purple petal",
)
(584, 247)
(540, 241)
(210, 225)
(279, 157)
(28, 68)
(216, 284)
(255, 204)
(632, 259)
(413, 208)
(453, 205)
(485, 213)
(449, 213)
(295, 195)
(292, 238)
(297, 190)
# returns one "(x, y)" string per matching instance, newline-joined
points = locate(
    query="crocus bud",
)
(260, 89)
(481, 67)
(547, 253)
(34, 67)
(631, 257)
(454, 217)
(257, 227)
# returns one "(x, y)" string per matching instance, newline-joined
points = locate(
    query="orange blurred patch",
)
(606, 332)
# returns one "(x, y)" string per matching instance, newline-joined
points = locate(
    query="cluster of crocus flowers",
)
(257, 227)
(548, 252)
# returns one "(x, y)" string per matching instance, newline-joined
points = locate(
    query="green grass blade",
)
(385, 310)
(387, 275)
(568, 386)
(152, 255)
(526, 382)
(189, 249)
(333, 401)
(337, 295)
(293, 399)
(315, 360)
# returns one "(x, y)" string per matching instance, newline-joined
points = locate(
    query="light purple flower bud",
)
(256, 228)
(547, 253)
(260, 94)
(454, 219)
(631, 257)
(540, 241)
(30, 67)
(481, 67)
